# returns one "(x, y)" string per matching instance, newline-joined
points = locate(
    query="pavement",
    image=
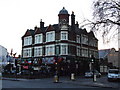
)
(101, 82)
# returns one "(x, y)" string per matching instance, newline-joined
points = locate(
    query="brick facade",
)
(61, 41)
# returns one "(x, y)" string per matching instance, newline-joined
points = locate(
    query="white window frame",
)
(78, 38)
(27, 52)
(85, 52)
(50, 36)
(64, 48)
(38, 38)
(27, 40)
(84, 39)
(49, 50)
(38, 51)
(64, 35)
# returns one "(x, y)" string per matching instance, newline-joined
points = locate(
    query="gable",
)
(49, 28)
(91, 34)
(38, 31)
(28, 33)
(64, 27)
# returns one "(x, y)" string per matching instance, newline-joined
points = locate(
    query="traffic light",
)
(92, 59)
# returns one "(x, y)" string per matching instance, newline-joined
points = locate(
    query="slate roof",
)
(103, 53)
(29, 33)
(63, 11)
(38, 31)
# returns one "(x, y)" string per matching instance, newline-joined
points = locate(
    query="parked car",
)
(113, 75)
(91, 73)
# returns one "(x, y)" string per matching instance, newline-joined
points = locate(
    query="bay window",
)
(64, 49)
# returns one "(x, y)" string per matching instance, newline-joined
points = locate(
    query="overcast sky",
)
(16, 16)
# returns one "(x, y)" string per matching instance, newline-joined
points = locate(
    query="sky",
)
(16, 16)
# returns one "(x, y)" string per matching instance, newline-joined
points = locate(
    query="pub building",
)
(63, 44)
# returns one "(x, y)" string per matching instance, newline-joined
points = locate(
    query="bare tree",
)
(106, 18)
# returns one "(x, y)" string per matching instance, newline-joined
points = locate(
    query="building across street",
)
(63, 47)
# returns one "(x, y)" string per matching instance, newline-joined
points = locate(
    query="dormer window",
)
(27, 40)
(38, 38)
(84, 39)
(50, 36)
(64, 35)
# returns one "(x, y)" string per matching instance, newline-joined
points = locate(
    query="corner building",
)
(68, 45)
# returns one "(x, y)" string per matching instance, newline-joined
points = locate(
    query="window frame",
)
(50, 36)
(27, 52)
(62, 49)
(49, 50)
(62, 35)
(38, 38)
(27, 40)
(38, 51)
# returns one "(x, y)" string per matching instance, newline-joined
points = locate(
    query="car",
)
(91, 73)
(113, 75)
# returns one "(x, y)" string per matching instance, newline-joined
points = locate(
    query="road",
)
(43, 83)
(65, 82)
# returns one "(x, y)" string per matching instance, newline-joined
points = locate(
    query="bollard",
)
(72, 76)
(94, 78)
(56, 79)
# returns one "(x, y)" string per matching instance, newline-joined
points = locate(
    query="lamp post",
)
(93, 64)
(56, 77)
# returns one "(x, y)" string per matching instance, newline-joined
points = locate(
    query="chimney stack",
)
(41, 24)
(72, 19)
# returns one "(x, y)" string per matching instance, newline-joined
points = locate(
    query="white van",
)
(113, 75)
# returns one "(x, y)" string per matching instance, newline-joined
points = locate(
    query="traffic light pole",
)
(93, 72)
(93, 64)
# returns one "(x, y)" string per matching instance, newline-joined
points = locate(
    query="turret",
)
(63, 16)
